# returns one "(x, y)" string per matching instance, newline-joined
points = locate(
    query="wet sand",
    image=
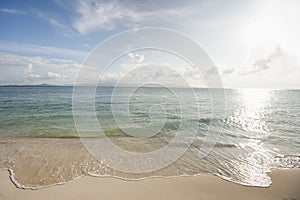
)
(285, 186)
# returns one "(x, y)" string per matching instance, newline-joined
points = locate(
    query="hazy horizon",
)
(133, 86)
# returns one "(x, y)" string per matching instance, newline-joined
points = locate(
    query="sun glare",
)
(255, 99)
(268, 24)
(251, 116)
(258, 33)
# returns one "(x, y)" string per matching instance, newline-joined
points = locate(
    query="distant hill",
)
(38, 85)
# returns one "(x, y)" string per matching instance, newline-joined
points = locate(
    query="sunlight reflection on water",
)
(250, 116)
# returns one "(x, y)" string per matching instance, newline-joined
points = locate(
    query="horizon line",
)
(130, 86)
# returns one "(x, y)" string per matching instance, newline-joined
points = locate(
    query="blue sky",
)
(252, 43)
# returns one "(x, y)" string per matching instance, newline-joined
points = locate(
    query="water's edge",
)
(20, 186)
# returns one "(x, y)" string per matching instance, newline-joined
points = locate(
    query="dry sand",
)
(286, 186)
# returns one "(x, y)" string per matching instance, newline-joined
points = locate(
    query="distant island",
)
(38, 85)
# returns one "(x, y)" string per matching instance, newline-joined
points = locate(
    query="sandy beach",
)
(149, 100)
(285, 186)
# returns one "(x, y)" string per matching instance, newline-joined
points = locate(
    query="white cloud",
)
(266, 62)
(16, 69)
(278, 69)
(228, 71)
(107, 15)
(29, 68)
(34, 76)
(47, 51)
(64, 29)
(136, 57)
(50, 20)
(164, 73)
(270, 63)
(111, 77)
(101, 15)
(11, 11)
(51, 75)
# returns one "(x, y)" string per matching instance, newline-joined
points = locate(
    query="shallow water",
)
(260, 132)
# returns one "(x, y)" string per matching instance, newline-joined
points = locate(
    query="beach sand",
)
(286, 186)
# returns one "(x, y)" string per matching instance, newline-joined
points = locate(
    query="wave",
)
(36, 163)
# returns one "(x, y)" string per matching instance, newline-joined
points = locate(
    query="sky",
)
(253, 44)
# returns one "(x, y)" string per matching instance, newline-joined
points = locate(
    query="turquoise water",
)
(260, 128)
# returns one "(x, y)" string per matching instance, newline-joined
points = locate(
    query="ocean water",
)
(253, 131)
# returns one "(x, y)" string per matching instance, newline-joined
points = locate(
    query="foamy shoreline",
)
(286, 184)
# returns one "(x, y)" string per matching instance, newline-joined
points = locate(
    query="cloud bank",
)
(16, 69)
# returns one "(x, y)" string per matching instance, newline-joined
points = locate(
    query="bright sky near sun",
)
(254, 44)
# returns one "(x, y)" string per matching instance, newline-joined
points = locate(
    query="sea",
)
(239, 135)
